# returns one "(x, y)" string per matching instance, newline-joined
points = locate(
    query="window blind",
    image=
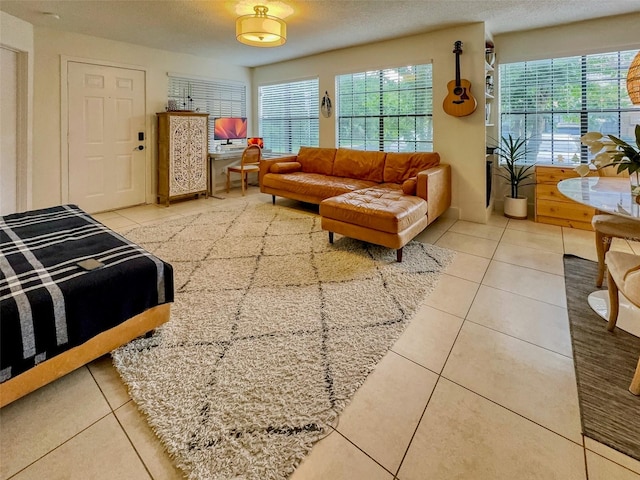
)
(386, 110)
(215, 97)
(553, 102)
(289, 115)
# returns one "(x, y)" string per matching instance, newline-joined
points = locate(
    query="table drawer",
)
(553, 175)
(550, 192)
(567, 210)
(563, 222)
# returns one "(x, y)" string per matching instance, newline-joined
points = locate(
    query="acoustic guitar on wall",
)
(459, 102)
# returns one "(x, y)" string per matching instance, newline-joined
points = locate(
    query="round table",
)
(608, 195)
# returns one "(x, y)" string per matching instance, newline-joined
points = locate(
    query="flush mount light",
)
(260, 29)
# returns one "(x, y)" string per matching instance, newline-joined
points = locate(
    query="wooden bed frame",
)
(66, 362)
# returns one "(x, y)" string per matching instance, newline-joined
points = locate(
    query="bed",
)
(71, 290)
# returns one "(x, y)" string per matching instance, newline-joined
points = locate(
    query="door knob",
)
(139, 147)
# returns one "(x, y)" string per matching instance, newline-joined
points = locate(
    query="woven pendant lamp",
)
(633, 80)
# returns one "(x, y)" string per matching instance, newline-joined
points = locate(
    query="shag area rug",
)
(605, 363)
(272, 332)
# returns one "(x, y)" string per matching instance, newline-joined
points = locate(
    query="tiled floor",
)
(480, 386)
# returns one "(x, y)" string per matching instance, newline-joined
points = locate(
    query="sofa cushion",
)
(317, 160)
(285, 167)
(410, 185)
(400, 166)
(359, 164)
(314, 185)
(379, 208)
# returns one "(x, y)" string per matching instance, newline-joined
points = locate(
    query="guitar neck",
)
(457, 69)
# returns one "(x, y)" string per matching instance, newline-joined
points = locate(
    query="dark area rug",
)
(604, 362)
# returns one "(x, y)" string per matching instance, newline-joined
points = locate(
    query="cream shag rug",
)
(272, 332)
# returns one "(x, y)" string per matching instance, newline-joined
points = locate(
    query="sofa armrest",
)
(434, 185)
(265, 164)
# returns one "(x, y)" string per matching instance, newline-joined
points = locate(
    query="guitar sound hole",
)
(458, 91)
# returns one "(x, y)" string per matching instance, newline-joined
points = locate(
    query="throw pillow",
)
(410, 185)
(285, 167)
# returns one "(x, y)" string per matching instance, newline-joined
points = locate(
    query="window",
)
(289, 115)
(553, 102)
(215, 97)
(388, 110)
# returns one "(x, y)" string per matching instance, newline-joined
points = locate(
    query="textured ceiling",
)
(207, 28)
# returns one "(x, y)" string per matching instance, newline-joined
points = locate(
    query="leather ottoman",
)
(381, 215)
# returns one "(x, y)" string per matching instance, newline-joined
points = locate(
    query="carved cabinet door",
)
(188, 154)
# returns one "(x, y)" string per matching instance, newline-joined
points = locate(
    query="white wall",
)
(594, 36)
(459, 141)
(17, 35)
(51, 46)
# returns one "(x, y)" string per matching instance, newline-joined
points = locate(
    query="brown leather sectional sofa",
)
(378, 197)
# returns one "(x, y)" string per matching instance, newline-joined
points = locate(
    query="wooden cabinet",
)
(553, 207)
(183, 155)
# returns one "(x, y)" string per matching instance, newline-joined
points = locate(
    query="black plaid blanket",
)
(48, 303)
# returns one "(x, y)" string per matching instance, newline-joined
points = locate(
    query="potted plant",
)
(511, 153)
(616, 152)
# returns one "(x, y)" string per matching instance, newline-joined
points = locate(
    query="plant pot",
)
(515, 207)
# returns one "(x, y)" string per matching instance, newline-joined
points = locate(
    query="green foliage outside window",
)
(552, 102)
(386, 110)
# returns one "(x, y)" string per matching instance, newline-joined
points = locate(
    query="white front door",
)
(106, 114)
(9, 132)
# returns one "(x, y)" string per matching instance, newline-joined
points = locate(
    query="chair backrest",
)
(251, 155)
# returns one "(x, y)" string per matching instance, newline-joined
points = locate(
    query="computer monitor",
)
(229, 128)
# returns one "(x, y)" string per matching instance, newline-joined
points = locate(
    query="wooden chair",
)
(608, 227)
(249, 163)
(623, 275)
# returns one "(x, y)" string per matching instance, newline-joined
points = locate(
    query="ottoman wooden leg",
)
(399, 255)
(330, 237)
(273, 199)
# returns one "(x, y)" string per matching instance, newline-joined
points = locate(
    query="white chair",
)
(623, 275)
(249, 164)
(608, 227)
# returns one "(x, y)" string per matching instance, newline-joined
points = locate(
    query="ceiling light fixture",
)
(633, 80)
(260, 29)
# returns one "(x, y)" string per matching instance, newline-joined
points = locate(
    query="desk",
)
(218, 163)
(609, 195)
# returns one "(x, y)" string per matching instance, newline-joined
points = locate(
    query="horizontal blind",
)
(386, 110)
(552, 102)
(215, 97)
(289, 115)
